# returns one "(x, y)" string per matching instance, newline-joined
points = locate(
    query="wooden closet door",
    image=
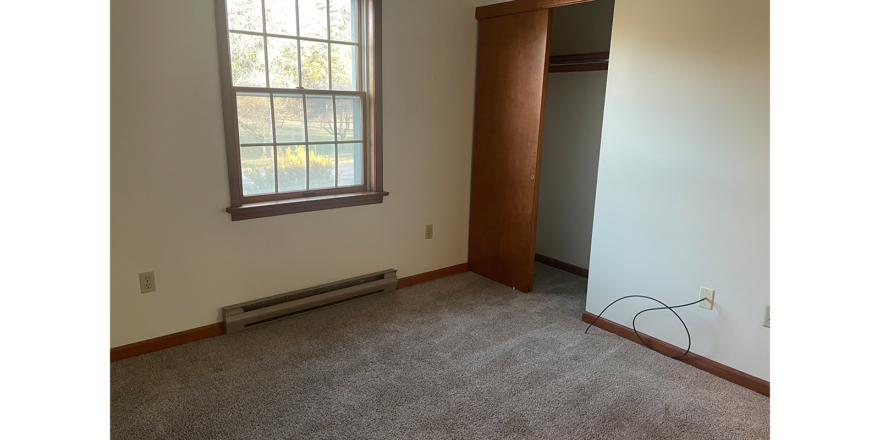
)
(508, 129)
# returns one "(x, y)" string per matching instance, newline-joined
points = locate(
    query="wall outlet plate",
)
(706, 292)
(429, 232)
(148, 282)
(767, 316)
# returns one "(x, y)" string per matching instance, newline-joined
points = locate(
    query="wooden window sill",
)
(305, 204)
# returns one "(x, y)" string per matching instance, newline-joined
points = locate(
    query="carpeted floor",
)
(456, 358)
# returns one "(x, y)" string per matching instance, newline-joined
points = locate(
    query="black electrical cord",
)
(665, 307)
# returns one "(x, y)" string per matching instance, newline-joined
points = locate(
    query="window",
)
(300, 104)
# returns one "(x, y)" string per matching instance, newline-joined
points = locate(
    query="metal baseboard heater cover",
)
(244, 315)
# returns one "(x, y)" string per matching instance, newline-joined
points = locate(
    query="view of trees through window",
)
(299, 99)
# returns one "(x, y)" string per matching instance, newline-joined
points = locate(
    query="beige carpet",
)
(457, 358)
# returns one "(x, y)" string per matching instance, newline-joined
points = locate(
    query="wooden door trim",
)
(517, 6)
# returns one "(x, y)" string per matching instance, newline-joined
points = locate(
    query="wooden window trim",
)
(371, 192)
(305, 204)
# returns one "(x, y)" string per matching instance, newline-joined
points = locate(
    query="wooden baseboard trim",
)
(753, 383)
(167, 341)
(211, 330)
(432, 275)
(561, 265)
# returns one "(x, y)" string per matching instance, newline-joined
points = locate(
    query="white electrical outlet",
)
(708, 293)
(148, 282)
(767, 316)
(429, 232)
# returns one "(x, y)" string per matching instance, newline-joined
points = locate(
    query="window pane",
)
(344, 67)
(257, 170)
(313, 18)
(245, 15)
(343, 19)
(254, 118)
(283, 71)
(289, 120)
(291, 168)
(322, 166)
(248, 60)
(281, 17)
(314, 65)
(348, 118)
(351, 164)
(319, 113)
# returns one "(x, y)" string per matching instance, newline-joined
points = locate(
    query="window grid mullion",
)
(286, 144)
(290, 37)
(360, 54)
(329, 52)
(271, 98)
(274, 139)
(265, 43)
(281, 90)
(335, 138)
(299, 60)
(306, 133)
(293, 143)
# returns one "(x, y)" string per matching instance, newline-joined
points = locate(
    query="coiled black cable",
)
(665, 307)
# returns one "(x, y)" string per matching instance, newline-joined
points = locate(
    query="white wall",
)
(683, 190)
(169, 187)
(569, 165)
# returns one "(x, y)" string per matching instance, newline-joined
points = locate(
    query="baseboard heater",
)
(241, 316)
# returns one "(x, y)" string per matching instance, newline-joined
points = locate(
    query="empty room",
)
(443, 219)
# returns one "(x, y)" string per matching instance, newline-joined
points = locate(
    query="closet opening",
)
(541, 72)
(580, 45)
